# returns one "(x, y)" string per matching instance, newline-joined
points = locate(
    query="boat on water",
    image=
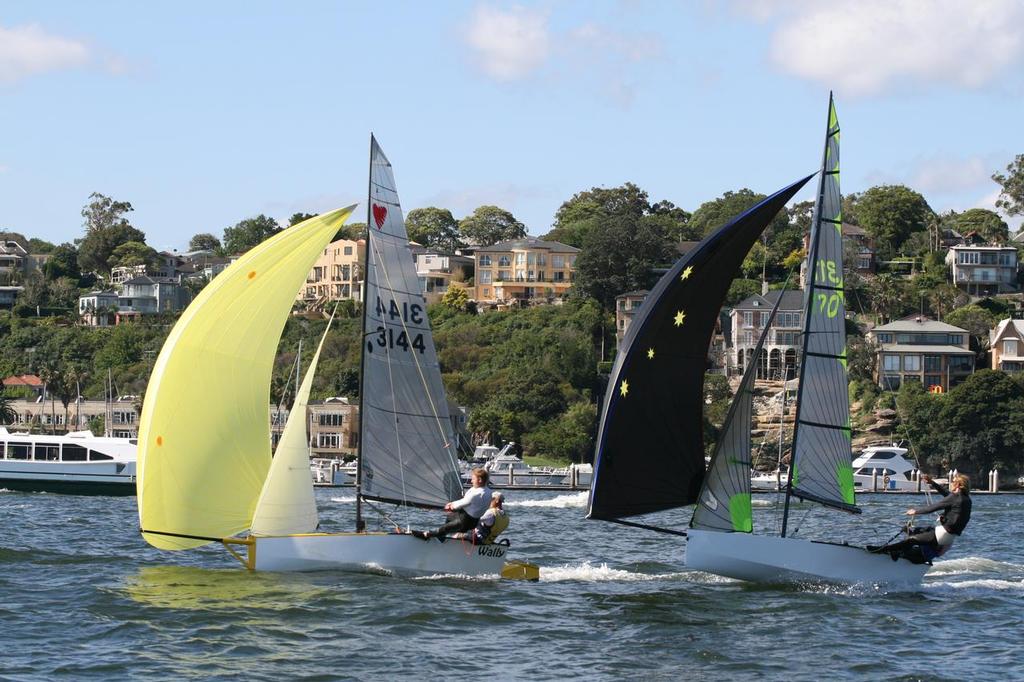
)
(205, 467)
(507, 469)
(885, 467)
(650, 447)
(77, 463)
(332, 473)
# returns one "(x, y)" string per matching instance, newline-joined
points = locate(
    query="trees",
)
(106, 228)
(890, 214)
(248, 233)
(577, 216)
(780, 239)
(7, 413)
(133, 253)
(434, 227)
(63, 262)
(986, 223)
(489, 225)
(618, 255)
(204, 241)
(975, 320)
(1011, 199)
(456, 298)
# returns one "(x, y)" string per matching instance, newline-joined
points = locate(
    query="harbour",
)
(609, 605)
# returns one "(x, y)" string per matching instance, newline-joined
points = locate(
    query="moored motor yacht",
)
(77, 463)
(884, 467)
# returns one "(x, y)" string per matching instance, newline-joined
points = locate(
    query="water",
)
(83, 597)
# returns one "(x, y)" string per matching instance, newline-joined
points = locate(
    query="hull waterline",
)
(389, 553)
(772, 559)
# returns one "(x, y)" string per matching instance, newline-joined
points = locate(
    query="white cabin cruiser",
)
(884, 467)
(78, 463)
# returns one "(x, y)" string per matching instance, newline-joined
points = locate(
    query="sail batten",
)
(822, 450)
(650, 452)
(407, 445)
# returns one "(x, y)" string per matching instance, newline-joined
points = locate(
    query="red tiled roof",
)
(30, 380)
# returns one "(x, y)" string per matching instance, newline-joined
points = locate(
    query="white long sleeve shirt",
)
(475, 501)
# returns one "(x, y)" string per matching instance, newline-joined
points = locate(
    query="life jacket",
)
(500, 524)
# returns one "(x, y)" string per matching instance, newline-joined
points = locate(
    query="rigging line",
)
(394, 397)
(656, 529)
(448, 444)
(913, 450)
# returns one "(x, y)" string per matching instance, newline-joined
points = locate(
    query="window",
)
(487, 292)
(348, 251)
(558, 261)
(1010, 347)
(531, 259)
(956, 339)
(485, 276)
(558, 276)
(19, 450)
(485, 261)
(933, 363)
(73, 453)
(885, 338)
(504, 261)
(98, 456)
(764, 320)
(890, 362)
(47, 452)
(748, 318)
(961, 363)
(542, 259)
(329, 440)
(891, 382)
(970, 257)
(124, 417)
(521, 258)
(330, 419)
(520, 275)
(503, 275)
(912, 363)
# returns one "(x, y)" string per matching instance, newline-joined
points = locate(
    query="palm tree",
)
(7, 413)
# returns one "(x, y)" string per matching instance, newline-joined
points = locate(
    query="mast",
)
(360, 524)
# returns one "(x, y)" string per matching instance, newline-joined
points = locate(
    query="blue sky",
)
(202, 114)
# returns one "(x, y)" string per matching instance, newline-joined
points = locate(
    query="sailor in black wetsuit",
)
(956, 512)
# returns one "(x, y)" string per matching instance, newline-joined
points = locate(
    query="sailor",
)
(492, 524)
(956, 512)
(465, 513)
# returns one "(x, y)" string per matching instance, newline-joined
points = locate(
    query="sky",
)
(202, 114)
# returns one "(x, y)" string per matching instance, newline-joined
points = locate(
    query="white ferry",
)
(78, 463)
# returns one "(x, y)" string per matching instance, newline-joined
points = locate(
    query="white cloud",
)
(864, 47)
(462, 202)
(29, 50)
(947, 175)
(508, 44)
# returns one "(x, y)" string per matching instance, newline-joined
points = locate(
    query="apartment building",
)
(524, 270)
(336, 275)
(332, 426)
(48, 415)
(983, 270)
(779, 355)
(936, 354)
(626, 306)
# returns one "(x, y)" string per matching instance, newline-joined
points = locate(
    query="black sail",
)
(650, 448)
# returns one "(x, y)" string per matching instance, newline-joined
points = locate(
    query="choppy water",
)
(83, 597)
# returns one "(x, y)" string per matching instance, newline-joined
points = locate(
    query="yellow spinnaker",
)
(204, 433)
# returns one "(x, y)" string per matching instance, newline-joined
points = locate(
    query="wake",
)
(573, 501)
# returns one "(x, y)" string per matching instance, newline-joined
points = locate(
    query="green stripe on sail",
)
(796, 475)
(740, 512)
(833, 120)
(844, 474)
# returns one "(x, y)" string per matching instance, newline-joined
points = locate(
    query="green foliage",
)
(986, 223)
(40, 246)
(63, 262)
(570, 437)
(435, 228)
(975, 320)
(7, 413)
(1011, 198)
(204, 241)
(618, 255)
(741, 289)
(456, 298)
(248, 233)
(890, 296)
(297, 218)
(578, 216)
(717, 399)
(106, 228)
(133, 253)
(489, 225)
(890, 214)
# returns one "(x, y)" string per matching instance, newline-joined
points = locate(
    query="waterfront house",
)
(29, 383)
(782, 346)
(98, 308)
(916, 348)
(983, 270)
(120, 418)
(437, 271)
(1007, 344)
(524, 270)
(626, 306)
(336, 275)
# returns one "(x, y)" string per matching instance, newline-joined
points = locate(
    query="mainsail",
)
(204, 432)
(287, 505)
(650, 448)
(407, 444)
(822, 454)
(724, 503)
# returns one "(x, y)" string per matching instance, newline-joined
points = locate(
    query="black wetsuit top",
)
(956, 509)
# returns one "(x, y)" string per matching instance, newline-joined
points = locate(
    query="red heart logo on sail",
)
(380, 213)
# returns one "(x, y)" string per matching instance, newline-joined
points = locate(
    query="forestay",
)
(407, 443)
(650, 448)
(204, 432)
(822, 440)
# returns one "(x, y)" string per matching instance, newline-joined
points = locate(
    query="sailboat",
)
(649, 427)
(205, 469)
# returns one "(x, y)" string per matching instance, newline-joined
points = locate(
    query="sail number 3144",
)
(408, 313)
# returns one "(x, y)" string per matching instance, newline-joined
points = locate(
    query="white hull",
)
(87, 478)
(771, 559)
(376, 553)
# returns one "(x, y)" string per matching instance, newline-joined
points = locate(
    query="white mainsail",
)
(407, 445)
(287, 504)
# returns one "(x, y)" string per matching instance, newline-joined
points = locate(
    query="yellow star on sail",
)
(624, 388)
(650, 353)
(686, 273)
(680, 318)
